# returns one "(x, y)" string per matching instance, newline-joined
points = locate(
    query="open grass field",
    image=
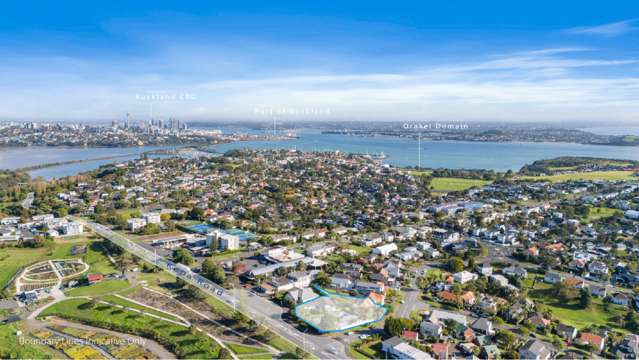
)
(455, 184)
(597, 213)
(97, 259)
(101, 288)
(128, 212)
(592, 175)
(178, 339)
(156, 280)
(13, 259)
(572, 314)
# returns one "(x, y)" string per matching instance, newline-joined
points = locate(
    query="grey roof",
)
(482, 324)
(392, 342)
(565, 330)
(537, 347)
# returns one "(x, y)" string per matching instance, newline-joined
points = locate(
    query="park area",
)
(442, 184)
(337, 313)
(571, 313)
(47, 274)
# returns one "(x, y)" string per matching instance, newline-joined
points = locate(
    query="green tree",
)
(183, 256)
(585, 299)
(322, 279)
(395, 326)
(196, 214)
(213, 272)
(630, 320)
(564, 291)
(506, 339)
(455, 264)
(150, 229)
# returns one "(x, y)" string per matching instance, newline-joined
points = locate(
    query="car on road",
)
(331, 350)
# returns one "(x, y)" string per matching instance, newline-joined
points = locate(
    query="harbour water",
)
(499, 156)
(399, 152)
(20, 157)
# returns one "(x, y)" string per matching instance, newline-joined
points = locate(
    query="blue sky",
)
(307, 60)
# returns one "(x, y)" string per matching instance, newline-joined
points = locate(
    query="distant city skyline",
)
(308, 60)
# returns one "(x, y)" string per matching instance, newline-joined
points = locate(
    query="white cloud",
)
(545, 84)
(605, 30)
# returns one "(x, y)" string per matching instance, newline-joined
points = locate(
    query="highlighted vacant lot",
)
(336, 313)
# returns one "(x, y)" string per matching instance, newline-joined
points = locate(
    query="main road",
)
(251, 305)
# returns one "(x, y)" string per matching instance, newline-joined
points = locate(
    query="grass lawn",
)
(455, 184)
(176, 338)
(592, 175)
(572, 314)
(155, 279)
(96, 258)
(101, 288)
(245, 349)
(225, 255)
(282, 344)
(11, 348)
(597, 213)
(128, 212)
(13, 259)
(119, 301)
(220, 307)
(361, 250)
(255, 356)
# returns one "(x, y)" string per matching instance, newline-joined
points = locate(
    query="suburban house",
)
(385, 250)
(463, 277)
(320, 250)
(300, 295)
(566, 332)
(341, 281)
(399, 349)
(431, 329)
(586, 338)
(620, 299)
(535, 349)
(483, 326)
(553, 278)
